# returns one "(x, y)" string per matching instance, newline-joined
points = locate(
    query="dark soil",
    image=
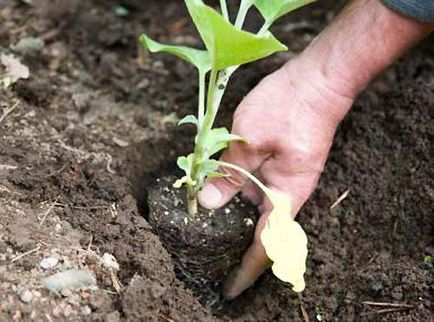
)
(94, 126)
(206, 246)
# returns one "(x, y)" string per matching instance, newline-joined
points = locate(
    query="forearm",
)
(362, 41)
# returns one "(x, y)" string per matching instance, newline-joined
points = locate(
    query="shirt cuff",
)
(422, 10)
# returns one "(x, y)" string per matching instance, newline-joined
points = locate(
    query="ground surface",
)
(93, 123)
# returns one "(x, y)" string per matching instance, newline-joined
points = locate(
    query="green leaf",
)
(272, 10)
(185, 163)
(228, 46)
(199, 58)
(189, 119)
(217, 175)
(206, 168)
(217, 148)
(428, 259)
(218, 139)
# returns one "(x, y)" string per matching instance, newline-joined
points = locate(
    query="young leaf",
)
(185, 163)
(199, 58)
(228, 46)
(189, 119)
(218, 140)
(272, 10)
(208, 168)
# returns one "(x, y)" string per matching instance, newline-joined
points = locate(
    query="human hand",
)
(289, 120)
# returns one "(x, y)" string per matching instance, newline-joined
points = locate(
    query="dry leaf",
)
(14, 68)
(285, 242)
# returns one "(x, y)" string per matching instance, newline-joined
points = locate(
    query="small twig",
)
(398, 309)
(303, 310)
(50, 35)
(401, 305)
(57, 171)
(48, 211)
(90, 243)
(369, 262)
(341, 198)
(4, 188)
(7, 167)
(81, 208)
(117, 285)
(25, 254)
(8, 111)
(165, 318)
(109, 164)
(113, 211)
(48, 317)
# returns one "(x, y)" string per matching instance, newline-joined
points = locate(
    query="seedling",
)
(227, 47)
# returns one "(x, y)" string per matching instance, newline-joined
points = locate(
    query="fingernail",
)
(210, 197)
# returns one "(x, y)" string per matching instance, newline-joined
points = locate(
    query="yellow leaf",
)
(285, 242)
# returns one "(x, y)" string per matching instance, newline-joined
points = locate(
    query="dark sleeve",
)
(422, 10)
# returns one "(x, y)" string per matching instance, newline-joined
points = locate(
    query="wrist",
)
(325, 96)
(362, 41)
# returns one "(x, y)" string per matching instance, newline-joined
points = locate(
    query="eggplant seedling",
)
(228, 46)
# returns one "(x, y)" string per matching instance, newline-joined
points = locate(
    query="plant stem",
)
(242, 13)
(199, 148)
(218, 81)
(264, 28)
(210, 108)
(191, 200)
(224, 9)
(201, 108)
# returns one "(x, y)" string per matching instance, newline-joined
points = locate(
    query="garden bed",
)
(94, 126)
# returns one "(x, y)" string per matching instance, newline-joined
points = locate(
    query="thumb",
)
(219, 191)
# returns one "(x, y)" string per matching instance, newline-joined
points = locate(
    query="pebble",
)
(71, 279)
(248, 222)
(397, 293)
(49, 262)
(67, 311)
(86, 310)
(66, 292)
(110, 262)
(26, 296)
(113, 317)
(376, 287)
(29, 46)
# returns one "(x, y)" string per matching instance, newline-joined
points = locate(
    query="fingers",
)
(297, 185)
(252, 192)
(253, 264)
(217, 192)
(255, 260)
